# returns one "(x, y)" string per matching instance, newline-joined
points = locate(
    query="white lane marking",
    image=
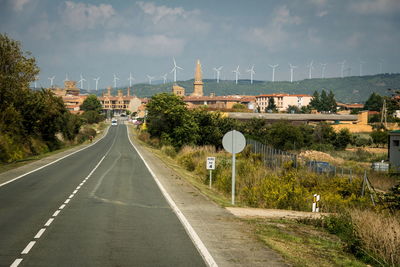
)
(49, 221)
(67, 201)
(56, 213)
(71, 196)
(189, 229)
(16, 263)
(48, 164)
(78, 187)
(75, 192)
(28, 247)
(40, 233)
(61, 207)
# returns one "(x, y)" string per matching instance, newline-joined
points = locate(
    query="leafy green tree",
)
(283, 135)
(293, 109)
(210, 132)
(168, 117)
(91, 103)
(271, 104)
(374, 102)
(343, 138)
(331, 102)
(379, 137)
(324, 103)
(324, 134)
(315, 102)
(239, 106)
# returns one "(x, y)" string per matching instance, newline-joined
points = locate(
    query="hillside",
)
(353, 89)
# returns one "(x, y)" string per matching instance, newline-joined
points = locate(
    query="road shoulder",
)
(227, 238)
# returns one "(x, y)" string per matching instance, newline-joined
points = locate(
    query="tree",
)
(283, 135)
(170, 120)
(239, 106)
(324, 134)
(379, 137)
(293, 109)
(271, 104)
(324, 104)
(315, 102)
(331, 102)
(91, 103)
(343, 138)
(374, 102)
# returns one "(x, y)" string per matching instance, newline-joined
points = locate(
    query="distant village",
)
(255, 106)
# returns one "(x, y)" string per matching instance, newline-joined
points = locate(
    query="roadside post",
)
(315, 205)
(233, 142)
(211, 167)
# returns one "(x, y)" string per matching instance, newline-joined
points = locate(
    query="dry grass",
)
(383, 181)
(379, 234)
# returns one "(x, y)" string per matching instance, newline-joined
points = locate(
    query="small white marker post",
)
(210, 166)
(233, 142)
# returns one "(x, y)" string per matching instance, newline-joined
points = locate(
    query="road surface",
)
(97, 207)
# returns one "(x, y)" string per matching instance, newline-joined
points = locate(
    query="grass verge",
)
(303, 245)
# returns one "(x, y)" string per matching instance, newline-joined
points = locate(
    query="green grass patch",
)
(303, 245)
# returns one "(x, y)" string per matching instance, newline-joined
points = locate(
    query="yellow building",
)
(120, 103)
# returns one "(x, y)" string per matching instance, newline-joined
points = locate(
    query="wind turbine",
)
(323, 65)
(150, 78)
(218, 71)
(97, 81)
(237, 73)
(342, 68)
(361, 66)
(164, 77)
(130, 79)
(36, 79)
(252, 72)
(115, 80)
(273, 71)
(311, 67)
(380, 65)
(174, 69)
(292, 67)
(81, 81)
(51, 80)
(66, 77)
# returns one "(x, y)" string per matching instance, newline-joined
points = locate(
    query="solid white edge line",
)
(48, 164)
(56, 213)
(16, 263)
(189, 229)
(40, 233)
(49, 221)
(28, 247)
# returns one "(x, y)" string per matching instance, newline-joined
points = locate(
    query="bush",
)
(85, 134)
(169, 151)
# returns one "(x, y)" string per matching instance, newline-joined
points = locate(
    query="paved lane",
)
(116, 217)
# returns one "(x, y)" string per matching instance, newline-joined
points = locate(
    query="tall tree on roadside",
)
(331, 102)
(91, 103)
(315, 102)
(271, 104)
(374, 102)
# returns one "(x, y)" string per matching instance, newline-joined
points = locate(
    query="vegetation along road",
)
(97, 207)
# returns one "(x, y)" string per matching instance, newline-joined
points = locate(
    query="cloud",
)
(322, 13)
(354, 40)
(153, 45)
(274, 34)
(376, 6)
(173, 20)
(82, 16)
(319, 2)
(18, 5)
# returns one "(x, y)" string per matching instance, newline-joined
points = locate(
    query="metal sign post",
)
(233, 142)
(210, 166)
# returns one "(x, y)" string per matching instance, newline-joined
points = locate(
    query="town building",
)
(394, 150)
(282, 101)
(70, 95)
(119, 103)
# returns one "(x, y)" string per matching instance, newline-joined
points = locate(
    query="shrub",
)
(84, 134)
(169, 151)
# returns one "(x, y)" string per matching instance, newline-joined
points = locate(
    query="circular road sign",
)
(234, 142)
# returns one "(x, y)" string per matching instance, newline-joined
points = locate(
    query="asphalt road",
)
(97, 207)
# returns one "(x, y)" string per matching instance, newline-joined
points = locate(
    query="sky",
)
(102, 38)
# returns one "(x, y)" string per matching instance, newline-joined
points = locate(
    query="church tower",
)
(198, 81)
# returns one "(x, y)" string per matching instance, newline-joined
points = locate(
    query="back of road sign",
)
(234, 142)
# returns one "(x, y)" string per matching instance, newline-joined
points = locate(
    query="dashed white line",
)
(49, 221)
(61, 207)
(71, 196)
(28, 247)
(16, 263)
(56, 213)
(40, 233)
(78, 187)
(75, 191)
(67, 201)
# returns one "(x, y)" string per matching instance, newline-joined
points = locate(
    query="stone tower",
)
(198, 81)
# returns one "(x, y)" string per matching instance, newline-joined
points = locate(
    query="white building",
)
(283, 101)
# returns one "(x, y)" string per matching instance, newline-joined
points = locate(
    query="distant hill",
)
(353, 89)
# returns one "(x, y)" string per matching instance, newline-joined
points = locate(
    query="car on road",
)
(113, 122)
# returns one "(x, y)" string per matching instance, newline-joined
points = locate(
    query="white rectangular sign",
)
(210, 163)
